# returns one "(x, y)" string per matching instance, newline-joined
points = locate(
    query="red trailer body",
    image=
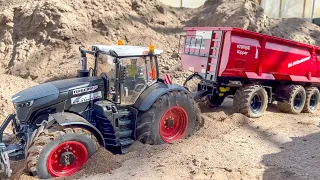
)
(232, 52)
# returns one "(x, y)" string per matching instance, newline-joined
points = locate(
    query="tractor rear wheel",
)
(251, 100)
(172, 117)
(58, 151)
(296, 101)
(312, 100)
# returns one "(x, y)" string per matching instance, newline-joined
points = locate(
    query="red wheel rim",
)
(173, 124)
(67, 158)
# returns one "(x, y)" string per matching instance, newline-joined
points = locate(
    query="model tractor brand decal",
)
(298, 62)
(243, 49)
(86, 98)
(83, 90)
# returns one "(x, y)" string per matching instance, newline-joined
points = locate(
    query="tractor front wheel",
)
(58, 151)
(172, 117)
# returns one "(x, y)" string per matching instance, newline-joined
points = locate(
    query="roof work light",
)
(151, 48)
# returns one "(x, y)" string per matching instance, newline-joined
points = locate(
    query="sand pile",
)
(40, 39)
(9, 86)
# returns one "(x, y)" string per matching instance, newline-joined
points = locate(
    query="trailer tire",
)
(312, 100)
(296, 101)
(50, 141)
(251, 100)
(153, 124)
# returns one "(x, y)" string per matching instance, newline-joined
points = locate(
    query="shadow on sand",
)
(298, 159)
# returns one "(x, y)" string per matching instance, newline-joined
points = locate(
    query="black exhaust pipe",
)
(83, 71)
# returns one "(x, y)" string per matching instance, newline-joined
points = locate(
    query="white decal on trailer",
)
(257, 53)
(242, 52)
(86, 98)
(298, 61)
(243, 49)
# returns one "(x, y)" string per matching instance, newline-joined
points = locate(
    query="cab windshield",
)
(140, 71)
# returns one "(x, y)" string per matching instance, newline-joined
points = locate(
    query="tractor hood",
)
(52, 89)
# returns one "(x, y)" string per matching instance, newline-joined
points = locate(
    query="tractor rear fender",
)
(152, 93)
(69, 119)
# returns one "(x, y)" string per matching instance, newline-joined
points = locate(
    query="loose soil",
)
(39, 42)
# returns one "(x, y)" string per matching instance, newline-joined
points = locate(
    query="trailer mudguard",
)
(152, 93)
(283, 93)
(70, 119)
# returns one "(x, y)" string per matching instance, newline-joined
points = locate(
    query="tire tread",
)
(45, 137)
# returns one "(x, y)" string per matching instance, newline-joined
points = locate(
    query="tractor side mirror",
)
(123, 74)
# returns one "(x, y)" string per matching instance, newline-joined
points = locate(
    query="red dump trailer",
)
(255, 69)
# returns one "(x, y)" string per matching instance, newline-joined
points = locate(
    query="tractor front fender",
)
(152, 93)
(69, 119)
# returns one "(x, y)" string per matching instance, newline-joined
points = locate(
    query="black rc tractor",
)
(59, 125)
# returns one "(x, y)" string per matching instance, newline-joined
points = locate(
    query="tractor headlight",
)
(25, 104)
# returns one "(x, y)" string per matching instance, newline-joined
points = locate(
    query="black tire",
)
(46, 140)
(148, 124)
(296, 101)
(312, 100)
(245, 96)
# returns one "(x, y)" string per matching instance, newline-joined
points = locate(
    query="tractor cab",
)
(126, 70)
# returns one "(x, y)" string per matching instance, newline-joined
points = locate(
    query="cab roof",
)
(124, 50)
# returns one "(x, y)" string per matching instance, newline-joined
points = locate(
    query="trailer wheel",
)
(172, 117)
(58, 151)
(251, 100)
(312, 100)
(296, 100)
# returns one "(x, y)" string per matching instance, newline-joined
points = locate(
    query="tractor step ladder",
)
(125, 130)
(116, 125)
(214, 55)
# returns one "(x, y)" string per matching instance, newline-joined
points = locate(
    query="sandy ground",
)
(228, 146)
(39, 42)
(276, 146)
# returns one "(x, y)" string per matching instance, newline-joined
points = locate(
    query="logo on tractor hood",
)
(86, 89)
(86, 98)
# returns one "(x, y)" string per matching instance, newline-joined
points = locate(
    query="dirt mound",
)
(218, 123)
(244, 14)
(40, 39)
(247, 14)
(9, 86)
